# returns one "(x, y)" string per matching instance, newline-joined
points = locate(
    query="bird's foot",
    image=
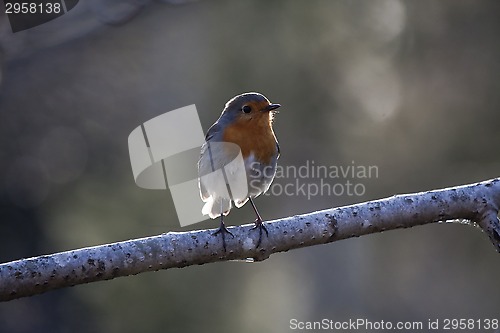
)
(259, 224)
(223, 231)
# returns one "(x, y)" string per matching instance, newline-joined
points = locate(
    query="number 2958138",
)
(32, 8)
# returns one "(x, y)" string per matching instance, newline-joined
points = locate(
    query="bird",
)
(245, 129)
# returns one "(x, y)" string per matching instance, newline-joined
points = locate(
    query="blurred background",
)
(408, 86)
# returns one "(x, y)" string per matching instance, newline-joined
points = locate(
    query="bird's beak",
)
(272, 107)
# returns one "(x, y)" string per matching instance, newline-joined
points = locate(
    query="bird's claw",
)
(259, 224)
(223, 231)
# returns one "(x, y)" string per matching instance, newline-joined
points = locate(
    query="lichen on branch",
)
(478, 203)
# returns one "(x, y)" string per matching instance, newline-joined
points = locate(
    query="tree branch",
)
(478, 203)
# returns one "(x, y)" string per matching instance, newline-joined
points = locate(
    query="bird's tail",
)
(215, 207)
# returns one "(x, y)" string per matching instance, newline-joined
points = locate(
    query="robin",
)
(245, 123)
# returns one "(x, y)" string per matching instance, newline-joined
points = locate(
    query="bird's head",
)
(251, 108)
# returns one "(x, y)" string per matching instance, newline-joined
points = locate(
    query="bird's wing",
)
(213, 130)
(203, 191)
(205, 159)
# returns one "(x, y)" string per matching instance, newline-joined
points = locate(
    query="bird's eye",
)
(246, 109)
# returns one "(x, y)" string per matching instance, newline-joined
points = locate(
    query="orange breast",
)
(253, 136)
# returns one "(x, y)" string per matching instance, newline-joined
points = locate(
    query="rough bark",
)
(478, 203)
